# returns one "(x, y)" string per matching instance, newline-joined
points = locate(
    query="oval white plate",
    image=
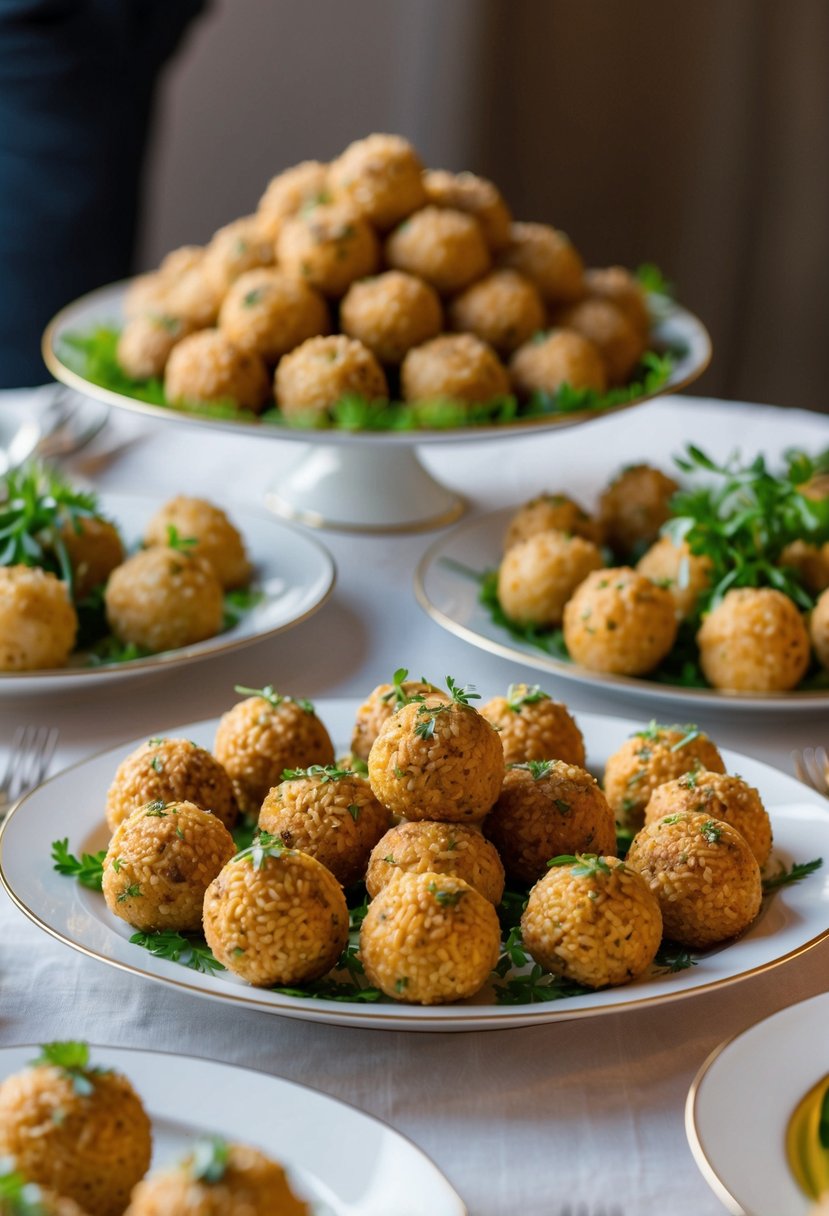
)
(795, 919)
(740, 1103)
(450, 598)
(347, 1161)
(294, 572)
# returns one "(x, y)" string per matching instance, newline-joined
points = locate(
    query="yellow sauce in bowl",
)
(805, 1148)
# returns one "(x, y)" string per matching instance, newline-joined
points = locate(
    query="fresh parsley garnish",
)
(88, 869)
(519, 695)
(785, 878)
(446, 899)
(536, 768)
(583, 865)
(275, 699)
(72, 1058)
(538, 985)
(321, 772)
(209, 1159)
(176, 948)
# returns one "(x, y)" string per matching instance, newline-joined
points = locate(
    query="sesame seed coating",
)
(441, 848)
(251, 1185)
(755, 640)
(719, 796)
(649, 759)
(541, 729)
(170, 770)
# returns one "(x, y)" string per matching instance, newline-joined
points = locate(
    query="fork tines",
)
(810, 766)
(31, 752)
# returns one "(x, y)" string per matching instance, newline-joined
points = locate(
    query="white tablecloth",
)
(521, 1121)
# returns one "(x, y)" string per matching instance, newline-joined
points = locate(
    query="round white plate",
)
(740, 1103)
(795, 919)
(450, 598)
(48, 422)
(348, 1162)
(294, 573)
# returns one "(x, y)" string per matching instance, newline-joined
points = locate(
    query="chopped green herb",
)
(133, 891)
(321, 772)
(538, 769)
(446, 899)
(89, 870)
(209, 1159)
(176, 948)
(519, 695)
(711, 830)
(354, 811)
(784, 877)
(583, 865)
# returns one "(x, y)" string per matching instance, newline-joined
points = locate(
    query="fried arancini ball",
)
(623, 289)
(149, 292)
(94, 549)
(595, 922)
(719, 796)
(275, 916)
(170, 770)
(38, 623)
(475, 195)
(634, 507)
(146, 342)
(755, 640)
(819, 629)
(381, 703)
(391, 313)
(328, 247)
(442, 848)
(619, 621)
(237, 247)
(443, 246)
(551, 360)
(303, 185)
(703, 874)
(380, 177)
(547, 258)
(532, 726)
(650, 758)
(78, 1130)
(552, 513)
(159, 863)
(685, 574)
(313, 378)
(329, 813)
(538, 576)
(811, 562)
(207, 367)
(31, 1198)
(263, 735)
(547, 808)
(268, 313)
(456, 366)
(429, 939)
(216, 539)
(607, 327)
(437, 760)
(162, 598)
(503, 309)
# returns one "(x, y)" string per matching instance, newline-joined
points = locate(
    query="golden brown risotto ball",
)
(683, 573)
(634, 507)
(441, 848)
(170, 770)
(648, 759)
(217, 540)
(313, 378)
(38, 622)
(242, 1182)
(206, 367)
(160, 862)
(149, 292)
(623, 289)
(275, 916)
(593, 921)
(755, 640)
(146, 343)
(443, 246)
(237, 247)
(547, 808)
(79, 1130)
(456, 366)
(437, 760)
(545, 364)
(503, 309)
(619, 621)
(94, 549)
(328, 247)
(429, 939)
(391, 313)
(552, 513)
(532, 726)
(819, 629)
(303, 185)
(475, 195)
(263, 735)
(719, 796)
(811, 563)
(329, 813)
(547, 258)
(380, 177)
(607, 327)
(268, 313)
(162, 598)
(538, 576)
(29, 1199)
(178, 261)
(703, 874)
(382, 702)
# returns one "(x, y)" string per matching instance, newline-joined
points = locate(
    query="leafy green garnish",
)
(182, 544)
(209, 1159)
(785, 878)
(397, 692)
(446, 899)
(192, 952)
(72, 1058)
(427, 714)
(110, 650)
(653, 281)
(670, 957)
(17, 1196)
(519, 695)
(536, 768)
(238, 602)
(711, 831)
(36, 503)
(538, 985)
(89, 869)
(321, 772)
(823, 1124)
(275, 699)
(583, 865)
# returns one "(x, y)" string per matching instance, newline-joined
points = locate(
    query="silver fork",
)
(810, 767)
(31, 753)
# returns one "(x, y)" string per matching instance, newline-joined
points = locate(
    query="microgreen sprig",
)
(785, 878)
(35, 505)
(275, 699)
(584, 865)
(321, 772)
(177, 948)
(519, 695)
(72, 1058)
(88, 869)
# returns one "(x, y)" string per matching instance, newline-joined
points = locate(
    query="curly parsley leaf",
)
(88, 869)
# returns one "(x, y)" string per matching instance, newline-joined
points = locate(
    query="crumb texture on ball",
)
(314, 376)
(539, 575)
(458, 367)
(163, 598)
(719, 796)
(38, 623)
(651, 757)
(552, 513)
(754, 640)
(442, 246)
(170, 770)
(620, 622)
(440, 848)
(391, 313)
(532, 726)
(206, 367)
(211, 532)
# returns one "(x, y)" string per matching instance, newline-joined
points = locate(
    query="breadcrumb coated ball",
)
(532, 726)
(443, 246)
(683, 573)
(538, 576)
(276, 916)
(623, 289)
(607, 327)
(650, 758)
(380, 704)
(547, 808)
(94, 549)
(38, 623)
(475, 195)
(391, 313)
(263, 735)
(719, 796)
(268, 313)
(237, 247)
(146, 342)
(634, 507)
(216, 538)
(81, 1132)
(755, 640)
(179, 290)
(303, 185)
(328, 247)
(819, 629)
(546, 364)
(703, 874)
(546, 257)
(811, 563)
(437, 760)
(619, 621)
(380, 177)
(455, 366)
(170, 770)
(162, 598)
(503, 309)
(440, 848)
(313, 378)
(207, 367)
(429, 939)
(552, 513)
(159, 863)
(595, 922)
